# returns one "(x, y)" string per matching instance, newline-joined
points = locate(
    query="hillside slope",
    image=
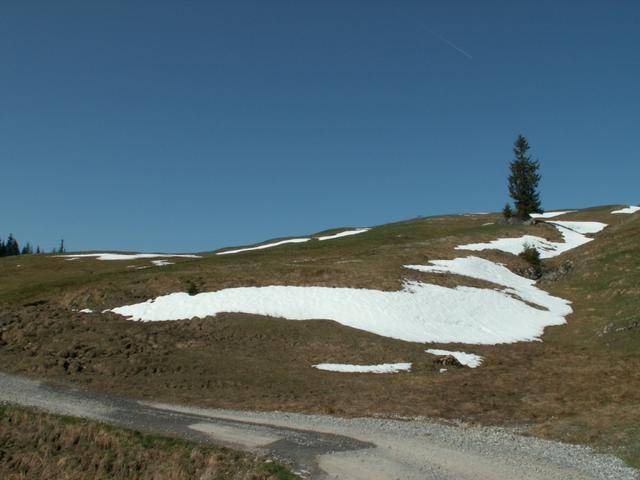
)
(579, 384)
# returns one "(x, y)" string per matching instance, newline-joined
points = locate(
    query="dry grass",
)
(41, 446)
(581, 384)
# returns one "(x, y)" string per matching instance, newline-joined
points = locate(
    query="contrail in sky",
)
(451, 44)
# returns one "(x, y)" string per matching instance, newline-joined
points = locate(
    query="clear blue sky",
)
(187, 126)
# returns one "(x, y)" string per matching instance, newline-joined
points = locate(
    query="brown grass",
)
(41, 446)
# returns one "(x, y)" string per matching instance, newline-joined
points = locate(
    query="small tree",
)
(193, 288)
(532, 256)
(61, 248)
(523, 180)
(507, 213)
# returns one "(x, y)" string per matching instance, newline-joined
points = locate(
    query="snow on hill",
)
(629, 209)
(550, 214)
(573, 234)
(471, 360)
(349, 368)
(124, 256)
(419, 312)
(267, 245)
(346, 233)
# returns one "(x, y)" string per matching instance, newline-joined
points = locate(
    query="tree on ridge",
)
(523, 180)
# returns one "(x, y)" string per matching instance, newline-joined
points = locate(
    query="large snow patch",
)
(420, 312)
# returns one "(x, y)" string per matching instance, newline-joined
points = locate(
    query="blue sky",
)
(188, 126)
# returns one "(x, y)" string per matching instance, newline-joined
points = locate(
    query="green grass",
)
(279, 471)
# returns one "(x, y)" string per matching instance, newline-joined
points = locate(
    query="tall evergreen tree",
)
(3, 248)
(523, 180)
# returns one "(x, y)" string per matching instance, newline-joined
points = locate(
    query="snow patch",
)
(348, 368)
(346, 233)
(267, 245)
(580, 227)
(471, 360)
(161, 263)
(86, 310)
(573, 234)
(629, 209)
(489, 271)
(123, 256)
(550, 214)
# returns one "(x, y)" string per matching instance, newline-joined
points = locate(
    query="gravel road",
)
(325, 447)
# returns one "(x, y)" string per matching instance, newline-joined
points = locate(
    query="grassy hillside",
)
(580, 384)
(35, 445)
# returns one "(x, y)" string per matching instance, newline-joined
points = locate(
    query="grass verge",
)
(36, 445)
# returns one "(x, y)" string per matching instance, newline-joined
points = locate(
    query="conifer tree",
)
(523, 180)
(12, 246)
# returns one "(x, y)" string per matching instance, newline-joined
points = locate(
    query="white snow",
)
(550, 214)
(86, 310)
(580, 227)
(346, 233)
(161, 263)
(123, 256)
(629, 209)
(489, 271)
(419, 312)
(471, 360)
(267, 245)
(573, 234)
(348, 368)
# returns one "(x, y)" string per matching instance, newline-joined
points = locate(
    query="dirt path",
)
(326, 447)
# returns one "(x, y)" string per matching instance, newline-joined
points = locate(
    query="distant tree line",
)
(11, 247)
